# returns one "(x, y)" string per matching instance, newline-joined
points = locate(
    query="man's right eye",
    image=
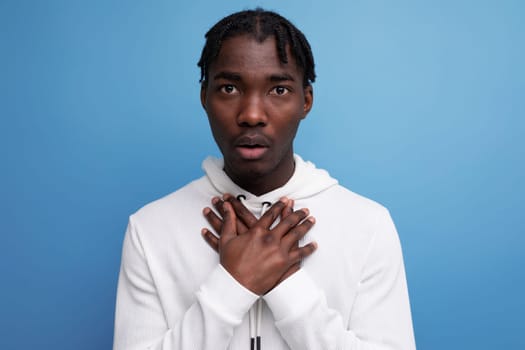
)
(228, 89)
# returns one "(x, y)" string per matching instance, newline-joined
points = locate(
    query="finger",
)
(298, 255)
(218, 204)
(291, 270)
(229, 229)
(288, 209)
(295, 266)
(290, 222)
(273, 213)
(295, 246)
(242, 212)
(213, 219)
(211, 239)
(291, 239)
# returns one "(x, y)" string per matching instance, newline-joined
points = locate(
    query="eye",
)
(279, 91)
(228, 89)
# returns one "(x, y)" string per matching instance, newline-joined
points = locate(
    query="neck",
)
(259, 183)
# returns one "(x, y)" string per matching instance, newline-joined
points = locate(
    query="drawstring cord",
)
(255, 318)
(255, 313)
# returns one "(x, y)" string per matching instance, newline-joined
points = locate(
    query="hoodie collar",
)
(306, 181)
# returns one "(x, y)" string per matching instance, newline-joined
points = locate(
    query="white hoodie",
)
(350, 294)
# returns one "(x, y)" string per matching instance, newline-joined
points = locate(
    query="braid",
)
(260, 24)
(281, 43)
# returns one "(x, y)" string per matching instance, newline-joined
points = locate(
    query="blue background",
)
(418, 105)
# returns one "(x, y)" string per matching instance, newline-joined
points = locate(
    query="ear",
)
(203, 95)
(308, 100)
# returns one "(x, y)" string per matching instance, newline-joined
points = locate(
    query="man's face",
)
(254, 105)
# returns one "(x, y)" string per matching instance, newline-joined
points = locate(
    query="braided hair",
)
(260, 24)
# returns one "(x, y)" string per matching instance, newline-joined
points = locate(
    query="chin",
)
(250, 169)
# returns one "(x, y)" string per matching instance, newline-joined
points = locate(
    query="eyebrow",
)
(228, 76)
(281, 77)
(237, 77)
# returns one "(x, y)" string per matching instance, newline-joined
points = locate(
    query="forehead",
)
(244, 53)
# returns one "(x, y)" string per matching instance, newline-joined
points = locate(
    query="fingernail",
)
(226, 196)
(203, 231)
(311, 219)
(215, 200)
(206, 211)
(306, 211)
(284, 200)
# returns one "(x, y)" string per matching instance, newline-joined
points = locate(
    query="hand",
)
(245, 218)
(255, 255)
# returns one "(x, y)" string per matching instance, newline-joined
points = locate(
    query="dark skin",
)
(256, 256)
(254, 105)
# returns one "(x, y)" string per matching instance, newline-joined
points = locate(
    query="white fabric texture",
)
(351, 294)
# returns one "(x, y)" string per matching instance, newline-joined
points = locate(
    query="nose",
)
(252, 112)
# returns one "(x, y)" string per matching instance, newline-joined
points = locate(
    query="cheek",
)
(221, 111)
(217, 129)
(222, 127)
(219, 135)
(291, 108)
(286, 132)
(217, 112)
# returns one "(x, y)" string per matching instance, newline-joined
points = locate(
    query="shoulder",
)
(174, 205)
(367, 219)
(347, 200)
(372, 220)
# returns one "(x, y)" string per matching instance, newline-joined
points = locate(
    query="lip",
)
(251, 146)
(251, 153)
(251, 140)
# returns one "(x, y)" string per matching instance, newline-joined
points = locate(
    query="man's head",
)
(260, 24)
(256, 75)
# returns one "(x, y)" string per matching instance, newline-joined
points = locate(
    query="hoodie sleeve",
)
(380, 317)
(140, 321)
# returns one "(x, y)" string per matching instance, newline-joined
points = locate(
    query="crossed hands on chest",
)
(257, 253)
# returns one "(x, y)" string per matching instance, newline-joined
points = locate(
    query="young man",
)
(263, 273)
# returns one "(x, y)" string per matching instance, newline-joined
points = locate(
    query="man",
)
(266, 273)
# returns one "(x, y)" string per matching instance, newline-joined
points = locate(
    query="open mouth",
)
(251, 152)
(252, 146)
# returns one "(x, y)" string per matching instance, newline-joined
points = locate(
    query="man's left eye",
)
(279, 90)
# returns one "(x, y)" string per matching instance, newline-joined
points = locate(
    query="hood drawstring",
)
(255, 313)
(306, 181)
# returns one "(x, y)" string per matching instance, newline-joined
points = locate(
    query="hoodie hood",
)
(306, 181)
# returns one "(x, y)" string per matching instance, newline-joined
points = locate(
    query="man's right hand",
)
(256, 256)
